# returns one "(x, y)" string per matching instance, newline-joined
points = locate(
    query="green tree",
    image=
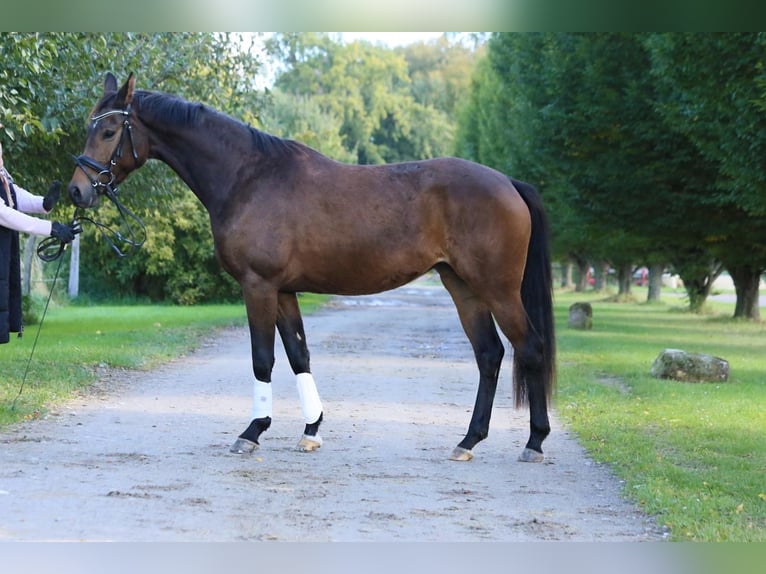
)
(711, 89)
(300, 117)
(575, 115)
(440, 72)
(370, 89)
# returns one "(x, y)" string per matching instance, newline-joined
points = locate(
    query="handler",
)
(16, 200)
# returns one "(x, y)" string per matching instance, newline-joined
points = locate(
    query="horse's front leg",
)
(261, 304)
(290, 325)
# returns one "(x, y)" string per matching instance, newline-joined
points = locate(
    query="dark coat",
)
(10, 279)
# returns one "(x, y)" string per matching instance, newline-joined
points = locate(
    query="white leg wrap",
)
(261, 400)
(309, 397)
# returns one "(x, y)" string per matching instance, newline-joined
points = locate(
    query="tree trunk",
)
(697, 270)
(569, 279)
(582, 274)
(746, 282)
(698, 289)
(624, 279)
(601, 274)
(655, 282)
(566, 275)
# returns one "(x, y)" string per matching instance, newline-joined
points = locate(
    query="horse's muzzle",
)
(80, 199)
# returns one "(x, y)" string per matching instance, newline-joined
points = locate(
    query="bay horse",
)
(286, 219)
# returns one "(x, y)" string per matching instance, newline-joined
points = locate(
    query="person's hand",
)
(52, 197)
(65, 232)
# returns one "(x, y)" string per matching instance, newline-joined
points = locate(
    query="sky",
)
(391, 39)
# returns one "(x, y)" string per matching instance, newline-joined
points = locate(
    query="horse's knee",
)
(262, 367)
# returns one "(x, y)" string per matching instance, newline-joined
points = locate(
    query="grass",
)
(692, 454)
(75, 341)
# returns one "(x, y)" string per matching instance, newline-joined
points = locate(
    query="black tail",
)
(537, 297)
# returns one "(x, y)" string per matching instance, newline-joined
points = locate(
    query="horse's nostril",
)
(74, 193)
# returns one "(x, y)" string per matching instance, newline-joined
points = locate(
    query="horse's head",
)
(116, 145)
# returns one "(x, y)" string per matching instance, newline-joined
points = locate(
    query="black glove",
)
(52, 197)
(65, 233)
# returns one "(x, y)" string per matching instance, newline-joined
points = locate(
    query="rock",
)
(581, 316)
(692, 367)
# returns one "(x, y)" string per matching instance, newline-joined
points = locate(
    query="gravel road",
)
(143, 456)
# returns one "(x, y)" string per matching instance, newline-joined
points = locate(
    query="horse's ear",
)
(110, 83)
(125, 95)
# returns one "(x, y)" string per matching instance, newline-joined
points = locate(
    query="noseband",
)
(103, 182)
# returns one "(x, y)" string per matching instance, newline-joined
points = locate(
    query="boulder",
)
(581, 316)
(692, 367)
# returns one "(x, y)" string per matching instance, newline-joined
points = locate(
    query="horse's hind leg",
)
(290, 325)
(528, 366)
(479, 326)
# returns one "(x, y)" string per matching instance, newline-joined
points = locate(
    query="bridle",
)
(103, 182)
(51, 248)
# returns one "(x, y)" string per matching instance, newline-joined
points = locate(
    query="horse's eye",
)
(108, 134)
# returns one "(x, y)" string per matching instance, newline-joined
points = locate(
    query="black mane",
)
(177, 111)
(169, 108)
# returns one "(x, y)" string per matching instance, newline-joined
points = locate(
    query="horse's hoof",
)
(309, 443)
(243, 446)
(461, 454)
(529, 455)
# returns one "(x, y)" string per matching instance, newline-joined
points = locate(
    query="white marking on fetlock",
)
(311, 406)
(261, 400)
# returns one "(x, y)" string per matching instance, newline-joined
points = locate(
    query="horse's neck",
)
(196, 159)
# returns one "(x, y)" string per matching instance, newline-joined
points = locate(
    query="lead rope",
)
(37, 336)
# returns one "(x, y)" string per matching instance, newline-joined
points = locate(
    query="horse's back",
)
(450, 186)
